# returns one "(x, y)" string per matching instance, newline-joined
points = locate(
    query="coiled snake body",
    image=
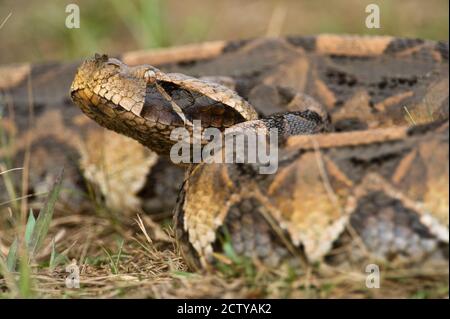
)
(375, 188)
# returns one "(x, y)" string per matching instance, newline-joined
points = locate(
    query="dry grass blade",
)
(12, 256)
(45, 217)
(410, 117)
(16, 199)
(11, 170)
(5, 20)
(140, 223)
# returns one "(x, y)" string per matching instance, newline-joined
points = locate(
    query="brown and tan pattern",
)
(336, 200)
(375, 188)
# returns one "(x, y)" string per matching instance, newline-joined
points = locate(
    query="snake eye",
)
(149, 74)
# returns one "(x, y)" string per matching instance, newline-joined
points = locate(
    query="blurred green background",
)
(35, 31)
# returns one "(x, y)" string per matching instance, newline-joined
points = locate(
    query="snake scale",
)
(363, 159)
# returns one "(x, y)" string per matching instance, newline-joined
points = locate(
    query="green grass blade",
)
(45, 217)
(53, 255)
(29, 228)
(11, 259)
(56, 258)
(119, 255)
(25, 280)
(111, 262)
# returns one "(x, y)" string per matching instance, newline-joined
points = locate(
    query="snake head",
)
(146, 104)
(109, 78)
(108, 84)
(114, 94)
